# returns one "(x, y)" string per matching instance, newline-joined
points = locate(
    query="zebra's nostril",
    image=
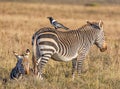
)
(104, 47)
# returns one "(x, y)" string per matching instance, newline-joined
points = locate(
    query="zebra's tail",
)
(34, 60)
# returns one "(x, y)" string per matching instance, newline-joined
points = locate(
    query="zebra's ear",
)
(100, 24)
(88, 22)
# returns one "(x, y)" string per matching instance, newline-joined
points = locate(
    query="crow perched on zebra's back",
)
(57, 24)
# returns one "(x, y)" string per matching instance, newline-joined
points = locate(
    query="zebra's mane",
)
(95, 25)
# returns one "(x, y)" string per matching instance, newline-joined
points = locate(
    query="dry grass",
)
(18, 21)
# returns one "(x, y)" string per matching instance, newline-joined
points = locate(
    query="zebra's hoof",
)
(39, 76)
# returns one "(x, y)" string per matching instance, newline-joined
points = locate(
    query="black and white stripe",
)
(65, 46)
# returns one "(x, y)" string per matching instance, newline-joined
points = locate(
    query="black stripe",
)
(65, 51)
(49, 44)
(47, 35)
(61, 48)
(47, 50)
(46, 56)
(44, 59)
(43, 62)
(32, 40)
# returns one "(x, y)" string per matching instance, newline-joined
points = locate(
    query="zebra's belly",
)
(58, 57)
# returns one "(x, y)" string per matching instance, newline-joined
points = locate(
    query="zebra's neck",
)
(87, 33)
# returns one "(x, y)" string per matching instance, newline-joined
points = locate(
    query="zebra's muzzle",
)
(104, 47)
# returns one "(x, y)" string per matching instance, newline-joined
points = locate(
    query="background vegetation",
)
(67, 1)
(18, 22)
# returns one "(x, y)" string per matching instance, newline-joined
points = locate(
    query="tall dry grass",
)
(18, 22)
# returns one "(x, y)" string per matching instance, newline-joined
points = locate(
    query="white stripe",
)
(38, 61)
(44, 52)
(53, 21)
(48, 55)
(45, 57)
(44, 61)
(49, 40)
(47, 33)
(46, 47)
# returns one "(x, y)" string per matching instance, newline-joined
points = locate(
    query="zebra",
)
(71, 45)
(57, 24)
(22, 65)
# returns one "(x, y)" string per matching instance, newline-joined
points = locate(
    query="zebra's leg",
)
(34, 65)
(43, 60)
(74, 67)
(80, 59)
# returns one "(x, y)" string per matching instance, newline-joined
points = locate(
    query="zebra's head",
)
(100, 38)
(23, 62)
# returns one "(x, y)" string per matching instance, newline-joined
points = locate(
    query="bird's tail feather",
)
(66, 28)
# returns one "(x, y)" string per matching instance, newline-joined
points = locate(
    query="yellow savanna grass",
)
(19, 21)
